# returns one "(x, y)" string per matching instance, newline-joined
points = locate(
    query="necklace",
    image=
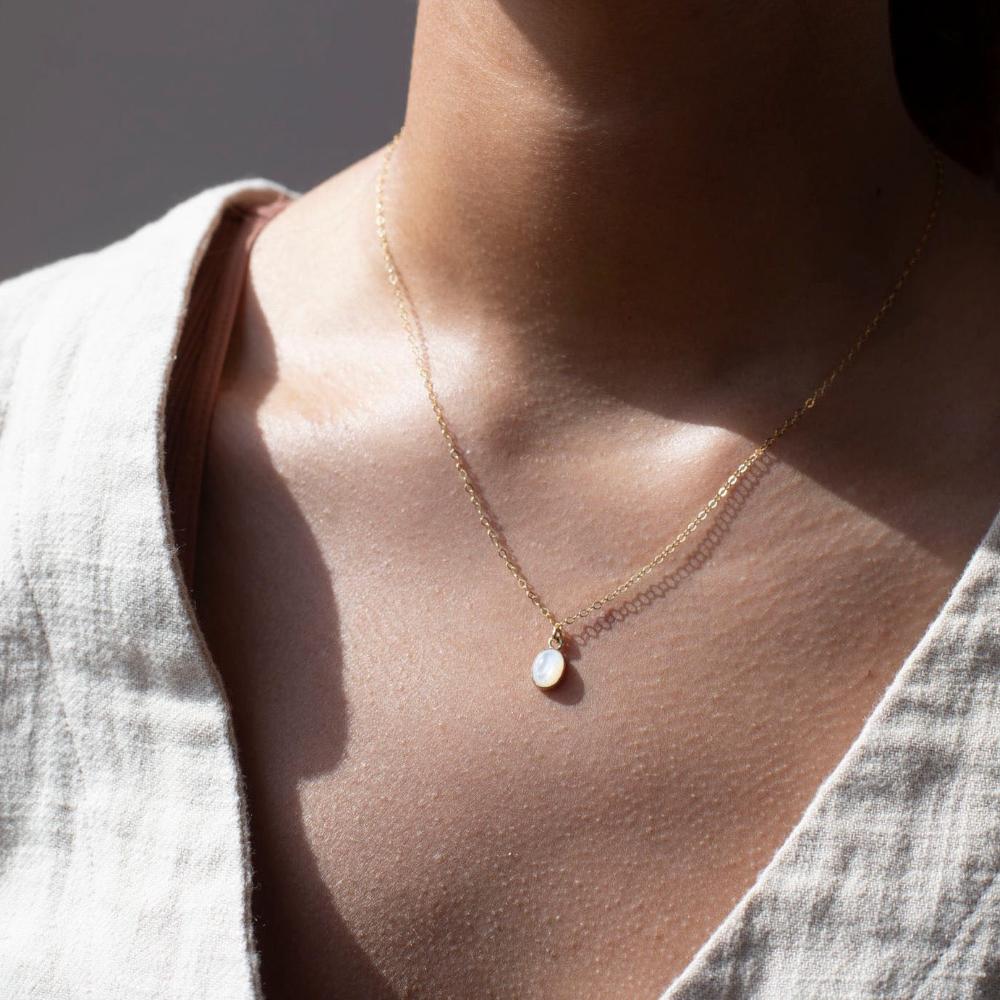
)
(549, 665)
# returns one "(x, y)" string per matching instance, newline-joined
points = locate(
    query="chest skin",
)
(427, 823)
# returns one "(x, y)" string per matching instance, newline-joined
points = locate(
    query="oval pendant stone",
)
(548, 667)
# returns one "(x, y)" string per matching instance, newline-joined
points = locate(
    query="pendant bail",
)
(556, 639)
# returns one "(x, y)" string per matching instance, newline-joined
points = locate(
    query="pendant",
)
(547, 670)
(549, 664)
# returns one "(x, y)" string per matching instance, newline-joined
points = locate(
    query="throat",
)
(586, 177)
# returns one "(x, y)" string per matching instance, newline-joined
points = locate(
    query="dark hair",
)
(947, 59)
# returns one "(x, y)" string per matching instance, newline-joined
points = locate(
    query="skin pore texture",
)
(637, 235)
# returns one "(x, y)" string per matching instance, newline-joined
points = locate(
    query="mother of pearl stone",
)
(547, 668)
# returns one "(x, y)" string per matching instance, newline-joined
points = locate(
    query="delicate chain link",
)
(559, 624)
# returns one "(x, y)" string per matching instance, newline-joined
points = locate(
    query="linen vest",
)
(124, 855)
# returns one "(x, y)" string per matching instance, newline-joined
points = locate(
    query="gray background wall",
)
(113, 111)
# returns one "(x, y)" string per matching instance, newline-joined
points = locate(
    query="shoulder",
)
(176, 233)
(325, 234)
(141, 278)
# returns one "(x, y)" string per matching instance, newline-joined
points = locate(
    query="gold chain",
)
(560, 624)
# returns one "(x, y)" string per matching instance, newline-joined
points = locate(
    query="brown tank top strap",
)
(214, 307)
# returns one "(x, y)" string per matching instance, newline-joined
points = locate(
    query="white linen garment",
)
(124, 870)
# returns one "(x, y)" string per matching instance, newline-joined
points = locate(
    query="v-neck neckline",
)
(847, 772)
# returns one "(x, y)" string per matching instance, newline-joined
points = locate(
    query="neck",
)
(647, 180)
